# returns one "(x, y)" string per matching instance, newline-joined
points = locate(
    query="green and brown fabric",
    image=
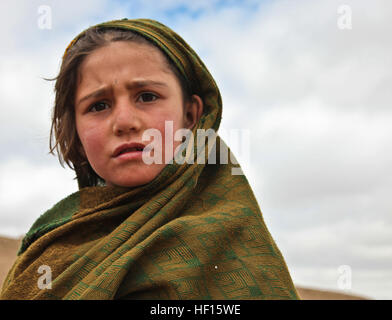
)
(194, 232)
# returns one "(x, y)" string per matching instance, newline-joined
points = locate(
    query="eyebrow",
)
(134, 85)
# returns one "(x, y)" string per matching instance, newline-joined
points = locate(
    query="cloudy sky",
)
(308, 79)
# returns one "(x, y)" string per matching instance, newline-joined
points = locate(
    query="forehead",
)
(124, 57)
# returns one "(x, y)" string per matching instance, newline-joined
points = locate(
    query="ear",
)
(193, 111)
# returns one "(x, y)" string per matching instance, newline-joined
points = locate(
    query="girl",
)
(137, 230)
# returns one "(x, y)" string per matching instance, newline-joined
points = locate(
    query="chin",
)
(130, 177)
(129, 182)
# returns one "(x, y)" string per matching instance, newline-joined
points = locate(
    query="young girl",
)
(137, 230)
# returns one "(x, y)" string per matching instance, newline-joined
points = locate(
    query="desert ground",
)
(9, 248)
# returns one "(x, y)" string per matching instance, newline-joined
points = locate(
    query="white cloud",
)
(27, 190)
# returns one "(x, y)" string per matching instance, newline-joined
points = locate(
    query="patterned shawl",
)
(194, 232)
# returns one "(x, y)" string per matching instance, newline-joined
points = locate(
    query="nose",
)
(126, 119)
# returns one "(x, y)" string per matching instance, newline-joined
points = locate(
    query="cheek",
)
(92, 141)
(169, 134)
(175, 115)
(168, 130)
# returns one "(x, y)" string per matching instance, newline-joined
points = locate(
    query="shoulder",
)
(58, 215)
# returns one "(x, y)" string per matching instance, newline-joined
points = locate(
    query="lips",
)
(128, 148)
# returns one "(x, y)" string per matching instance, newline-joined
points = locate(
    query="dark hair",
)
(63, 135)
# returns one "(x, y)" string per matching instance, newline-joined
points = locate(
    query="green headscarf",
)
(194, 232)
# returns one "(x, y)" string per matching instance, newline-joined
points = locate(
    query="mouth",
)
(128, 148)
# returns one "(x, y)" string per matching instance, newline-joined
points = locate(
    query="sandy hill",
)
(9, 248)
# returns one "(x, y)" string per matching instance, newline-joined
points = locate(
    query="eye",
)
(147, 97)
(98, 106)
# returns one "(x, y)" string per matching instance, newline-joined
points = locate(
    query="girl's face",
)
(123, 89)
